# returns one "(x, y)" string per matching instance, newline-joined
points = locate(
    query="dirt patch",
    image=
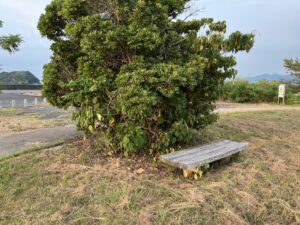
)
(235, 107)
(13, 121)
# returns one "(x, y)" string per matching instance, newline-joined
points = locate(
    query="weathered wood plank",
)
(214, 158)
(204, 152)
(198, 156)
(208, 154)
(192, 150)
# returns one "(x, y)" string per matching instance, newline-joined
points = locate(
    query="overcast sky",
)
(275, 22)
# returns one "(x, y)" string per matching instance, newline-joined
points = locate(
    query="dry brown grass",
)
(12, 122)
(74, 184)
(251, 107)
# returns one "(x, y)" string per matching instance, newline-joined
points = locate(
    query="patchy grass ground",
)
(225, 107)
(76, 185)
(13, 121)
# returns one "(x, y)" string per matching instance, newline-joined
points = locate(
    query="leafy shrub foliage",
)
(241, 91)
(134, 72)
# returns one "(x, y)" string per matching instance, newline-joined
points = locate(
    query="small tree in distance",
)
(293, 67)
(135, 73)
(10, 43)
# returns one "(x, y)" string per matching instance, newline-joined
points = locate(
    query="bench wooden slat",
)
(208, 154)
(192, 150)
(215, 157)
(198, 156)
(201, 152)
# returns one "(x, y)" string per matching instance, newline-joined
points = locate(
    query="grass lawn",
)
(73, 184)
(14, 121)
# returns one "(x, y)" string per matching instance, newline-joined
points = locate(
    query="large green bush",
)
(134, 72)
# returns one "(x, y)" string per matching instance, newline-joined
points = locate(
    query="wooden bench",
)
(190, 159)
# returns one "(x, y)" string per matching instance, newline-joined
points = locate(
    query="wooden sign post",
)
(281, 93)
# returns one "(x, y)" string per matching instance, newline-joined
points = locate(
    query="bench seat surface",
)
(200, 155)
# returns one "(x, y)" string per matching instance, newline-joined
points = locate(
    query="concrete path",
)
(19, 95)
(27, 140)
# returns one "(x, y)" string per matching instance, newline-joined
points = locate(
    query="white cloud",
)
(23, 13)
(276, 22)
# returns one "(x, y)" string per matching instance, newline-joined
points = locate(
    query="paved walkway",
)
(18, 95)
(27, 140)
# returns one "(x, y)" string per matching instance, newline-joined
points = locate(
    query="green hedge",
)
(242, 91)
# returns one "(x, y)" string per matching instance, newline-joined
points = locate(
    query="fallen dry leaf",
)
(140, 171)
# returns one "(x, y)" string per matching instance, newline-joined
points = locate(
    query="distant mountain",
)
(270, 77)
(18, 78)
